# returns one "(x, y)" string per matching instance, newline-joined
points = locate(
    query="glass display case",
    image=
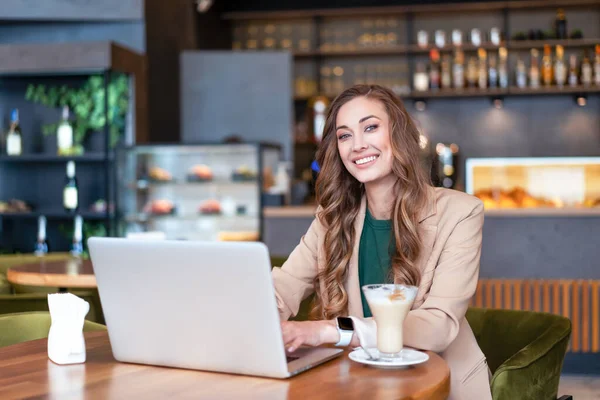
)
(544, 182)
(196, 192)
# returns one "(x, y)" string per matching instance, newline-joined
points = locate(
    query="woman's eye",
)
(343, 136)
(371, 128)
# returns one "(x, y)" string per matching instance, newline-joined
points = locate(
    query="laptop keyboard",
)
(290, 359)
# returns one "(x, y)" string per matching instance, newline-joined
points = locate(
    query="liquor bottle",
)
(71, 191)
(493, 71)
(434, 70)
(560, 24)
(64, 134)
(521, 74)
(547, 73)
(14, 142)
(534, 69)
(472, 72)
(573, 78)
(446, 72)
(421, 78)
(458, 70)
(77, 246)
(503, 68)
(457, 38)
(475, 37)
(447, 163)
(597, 66)
(560, 70)
(482, 80)
(317, 108)
(586, 70)
(41, 247)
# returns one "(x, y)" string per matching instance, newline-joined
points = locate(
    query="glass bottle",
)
(560, 70)
(547, 73)
(14, 139)
(534, 70)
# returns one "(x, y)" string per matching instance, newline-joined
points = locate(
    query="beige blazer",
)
(451, 229)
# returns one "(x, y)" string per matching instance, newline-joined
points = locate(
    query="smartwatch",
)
(345, 327)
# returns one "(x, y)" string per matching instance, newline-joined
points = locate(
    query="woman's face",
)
(363, 139)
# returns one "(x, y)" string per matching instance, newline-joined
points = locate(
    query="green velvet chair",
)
(23, 327)
(524, 350)
(20, 303)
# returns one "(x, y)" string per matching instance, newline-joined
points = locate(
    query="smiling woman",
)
(380, 221)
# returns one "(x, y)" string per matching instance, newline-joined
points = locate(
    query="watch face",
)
(345, 323)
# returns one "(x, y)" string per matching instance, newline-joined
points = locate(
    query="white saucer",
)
(407, 358)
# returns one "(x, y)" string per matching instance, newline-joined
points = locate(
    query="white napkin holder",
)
(66, 344)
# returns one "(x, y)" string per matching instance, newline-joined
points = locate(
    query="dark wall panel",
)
(72, 10)
(130, 34)
(242, 93)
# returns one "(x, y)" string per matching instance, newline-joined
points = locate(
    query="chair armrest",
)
(536, 349)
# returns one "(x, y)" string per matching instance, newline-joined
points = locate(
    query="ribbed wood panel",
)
(578, 300)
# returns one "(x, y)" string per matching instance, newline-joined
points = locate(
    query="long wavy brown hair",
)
(339, 194)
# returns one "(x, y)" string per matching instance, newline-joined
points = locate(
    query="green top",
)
(374, 252)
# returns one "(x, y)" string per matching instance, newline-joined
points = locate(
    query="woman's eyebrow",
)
(360, 121)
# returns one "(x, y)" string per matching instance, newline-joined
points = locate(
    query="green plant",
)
(87, 105)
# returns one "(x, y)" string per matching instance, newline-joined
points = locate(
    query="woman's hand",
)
(308, 333)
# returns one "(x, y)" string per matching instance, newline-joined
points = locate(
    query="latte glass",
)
(389, 305)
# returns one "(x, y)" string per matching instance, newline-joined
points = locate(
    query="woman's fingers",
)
(296, 343)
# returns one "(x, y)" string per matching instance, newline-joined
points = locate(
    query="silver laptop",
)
(196, 305)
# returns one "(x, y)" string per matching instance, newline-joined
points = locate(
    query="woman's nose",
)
(359, 143)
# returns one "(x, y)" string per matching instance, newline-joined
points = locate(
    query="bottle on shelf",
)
(482, 81)
(41, 247)
(472, 72)
(534, 69)
(14, 141)
(560, 24)
(547, 73)
(317, 107)
(440, 38)
(434, 70)
(421, 78)
(597, 66)
(560, 70)
(77, 246)
(458, 70)
(586, 70)
(521, 74)
(573, 76)
(446, 78)
(71, 190)
(456, 37)
(64, 134)
(503, 68)
(493, 71)
(475, 37)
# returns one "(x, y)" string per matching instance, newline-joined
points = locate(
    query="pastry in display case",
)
(157, 174)
(534, 182)
(195, 192)
(200, 173)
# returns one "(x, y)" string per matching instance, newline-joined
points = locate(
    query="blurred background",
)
(200, 120)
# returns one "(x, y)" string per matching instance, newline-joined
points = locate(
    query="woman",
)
(380, 220)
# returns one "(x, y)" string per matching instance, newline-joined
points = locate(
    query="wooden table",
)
(26, 372)
(71, 273)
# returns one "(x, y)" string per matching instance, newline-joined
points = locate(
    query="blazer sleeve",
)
(435, 324)
(294, 281)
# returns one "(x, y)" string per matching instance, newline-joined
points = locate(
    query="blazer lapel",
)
(427, 232)
(353, 283)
